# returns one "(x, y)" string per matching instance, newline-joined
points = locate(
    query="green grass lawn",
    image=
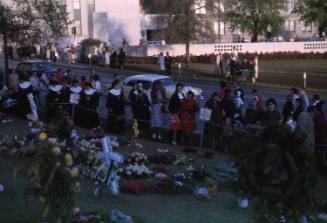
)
(16, 207)
(274, 72)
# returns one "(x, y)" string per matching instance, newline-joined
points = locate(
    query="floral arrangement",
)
(134, 187)
(52, 177)
(137, 158)
(135, 171)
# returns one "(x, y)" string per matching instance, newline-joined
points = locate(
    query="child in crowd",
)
(175, 126)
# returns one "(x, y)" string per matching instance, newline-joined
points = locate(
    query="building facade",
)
(108, 20)
(218, 30)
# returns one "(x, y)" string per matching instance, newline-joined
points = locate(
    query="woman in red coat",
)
(188, 110)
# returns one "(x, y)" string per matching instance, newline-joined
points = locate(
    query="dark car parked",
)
(38, 66)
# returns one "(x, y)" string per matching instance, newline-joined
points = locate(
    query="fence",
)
(202, 49)
(201, 121)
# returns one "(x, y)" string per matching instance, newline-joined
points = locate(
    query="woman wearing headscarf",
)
(54, 100)
(116, 109)
(88, 105)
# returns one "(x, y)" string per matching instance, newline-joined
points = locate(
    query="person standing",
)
(188, 110)
(252, 71)
(303, 95)
(88, 105)
(161, 62)
(306, 126)
(271, 115)
(288, 108)
(168, 62)
(259, 100)
(13, 82)
(74, 97)
(116, 109)
(113, 59)
(299, 108)
(228, 106)
(107, 59)
(26, 99)
(158, 100)
(213, 128)
(121, 58)
(176, 99)
(54, 100)
(256, 68)
(96, 84)
(219, 64)
(140, 107)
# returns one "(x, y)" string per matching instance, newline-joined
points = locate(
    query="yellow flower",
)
(42, 136)
(74, 172)
(77, 187)
(68, 160)
(56, 151)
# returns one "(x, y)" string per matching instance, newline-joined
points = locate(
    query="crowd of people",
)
(233, 68)
(45, 96)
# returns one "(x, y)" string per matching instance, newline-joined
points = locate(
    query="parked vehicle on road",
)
(39, 66)
(148, 79)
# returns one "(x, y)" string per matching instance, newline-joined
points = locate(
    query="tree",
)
(314, 11)
(184, 20)
(31, 22)
(255, 16)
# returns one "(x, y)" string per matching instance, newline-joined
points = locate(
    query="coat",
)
(213, 128)
(188, 110)
(88, 105)
(306, 126)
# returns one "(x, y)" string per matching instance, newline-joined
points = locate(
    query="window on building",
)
(77, 4)
(200, 7)
(77, 25)
(292, 26)
(306, 27)
(218, 27)
(287, 25)
(218, 7)
(290, 5)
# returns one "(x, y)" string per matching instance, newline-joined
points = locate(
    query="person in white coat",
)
(306, 126)
(256, 67)
(161, 61)
(107, 59)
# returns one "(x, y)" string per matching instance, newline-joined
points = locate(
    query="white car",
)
(148, 79)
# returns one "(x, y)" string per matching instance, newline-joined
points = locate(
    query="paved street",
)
(208, 87)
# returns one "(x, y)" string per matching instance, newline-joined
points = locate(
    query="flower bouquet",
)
(136, 158)
(134, 187)
(135, 171)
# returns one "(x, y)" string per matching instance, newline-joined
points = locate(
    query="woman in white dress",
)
(256, 67)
